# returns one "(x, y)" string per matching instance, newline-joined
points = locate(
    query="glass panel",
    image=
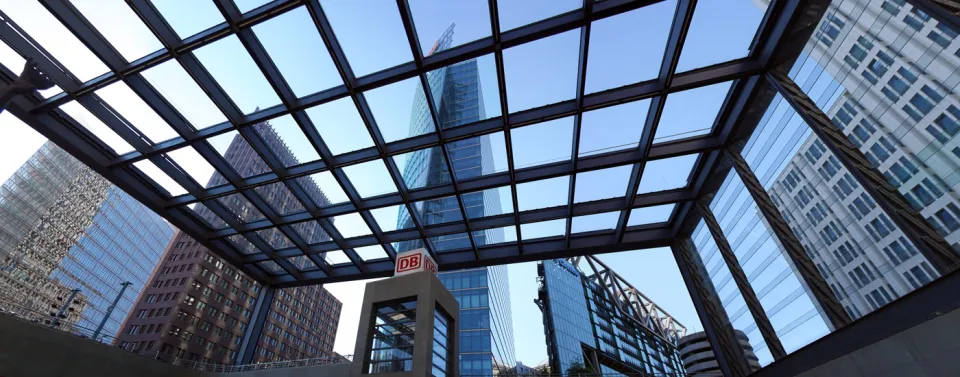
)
(43, 27)
(120, 26)
(558, 134)
(434, 19)
(543, 229)
(294, 45)
(730, 24)
(666, 174)
(544, 193)
(287, 141)
(303, 263)
(340, 126)
(599, 221)
(377, 43)
(388, 218)
(543, 71)
(465, 92)
(336, 257)
(271, 267)
(478, 156)
(187, 21)
(650, 215)
(96, 127)
(275, 238)
(193, 163)
(678, 122)
(617, 61)
(423, 168)
(310, 232)
(612, 128)
(602, 184)
(351, 225)
(489, 202)
(323, 189)
(370, 178)
(450, 242)
(372, 252)
(514, 14)
(241, 208)
(247, 5)
(495, 236)
(178, 88)
(207, 216)
(279, 198)
(396, 118)
(122, 99)
(239, 154)
(438, 211)
(160, 178)
(233, 68)
(243, 244)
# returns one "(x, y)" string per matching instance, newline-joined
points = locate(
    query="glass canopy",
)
(306, 147)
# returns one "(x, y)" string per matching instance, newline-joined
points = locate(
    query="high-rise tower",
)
(486, 324)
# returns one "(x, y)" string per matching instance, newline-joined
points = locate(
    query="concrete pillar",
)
(385, 338)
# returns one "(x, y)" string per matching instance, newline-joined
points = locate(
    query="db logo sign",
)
(414, 261)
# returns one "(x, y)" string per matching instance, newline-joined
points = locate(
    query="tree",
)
(578, 369)
(543, 370)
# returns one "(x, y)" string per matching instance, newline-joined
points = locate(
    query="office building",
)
(486, 326)
(64, 227)
(586, 323)
(892, 103)
(699, 359)
(198, 307)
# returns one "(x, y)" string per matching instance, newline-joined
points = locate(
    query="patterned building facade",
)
(198, 307)
(63, 227)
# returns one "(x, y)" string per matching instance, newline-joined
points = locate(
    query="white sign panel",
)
(414, 261)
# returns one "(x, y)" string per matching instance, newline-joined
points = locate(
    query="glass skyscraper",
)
(64, 227)
(486, 324)
(585, 325)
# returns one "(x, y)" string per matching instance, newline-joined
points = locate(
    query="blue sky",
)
(624, 49)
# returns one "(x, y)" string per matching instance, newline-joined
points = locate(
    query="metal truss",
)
(631, 302)
(44, 115)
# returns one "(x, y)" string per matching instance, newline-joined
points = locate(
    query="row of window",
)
(161, 297)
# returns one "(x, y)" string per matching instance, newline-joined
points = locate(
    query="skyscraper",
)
(64, 227)
(486, 324)
(198, 306)
(586, 323)
(893, 77)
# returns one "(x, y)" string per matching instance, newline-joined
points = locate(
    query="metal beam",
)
(814, 282)
(248, 347)
(743, 284)
(930, 243)
(716, 324)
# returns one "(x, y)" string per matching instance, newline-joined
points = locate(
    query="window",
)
(441, 352)
(392, 337)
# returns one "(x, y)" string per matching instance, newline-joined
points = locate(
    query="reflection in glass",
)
(303, 263)
(241, 243)
(241, 208)
(423, 168)
(392, 337)
(275, 238)
(271, 267)
(450, 242)
(478, 156)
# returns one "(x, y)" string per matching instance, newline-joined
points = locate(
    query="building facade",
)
(63, 227)
(699, 359)
(584, 324)
(486, 325)
(894, 68)
(198, 306)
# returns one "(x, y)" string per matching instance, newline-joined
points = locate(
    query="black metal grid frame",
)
(42, 114)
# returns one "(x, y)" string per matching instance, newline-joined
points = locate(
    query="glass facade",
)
(486, 324)
(583, 322)
(64, 227)
(885, 74)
